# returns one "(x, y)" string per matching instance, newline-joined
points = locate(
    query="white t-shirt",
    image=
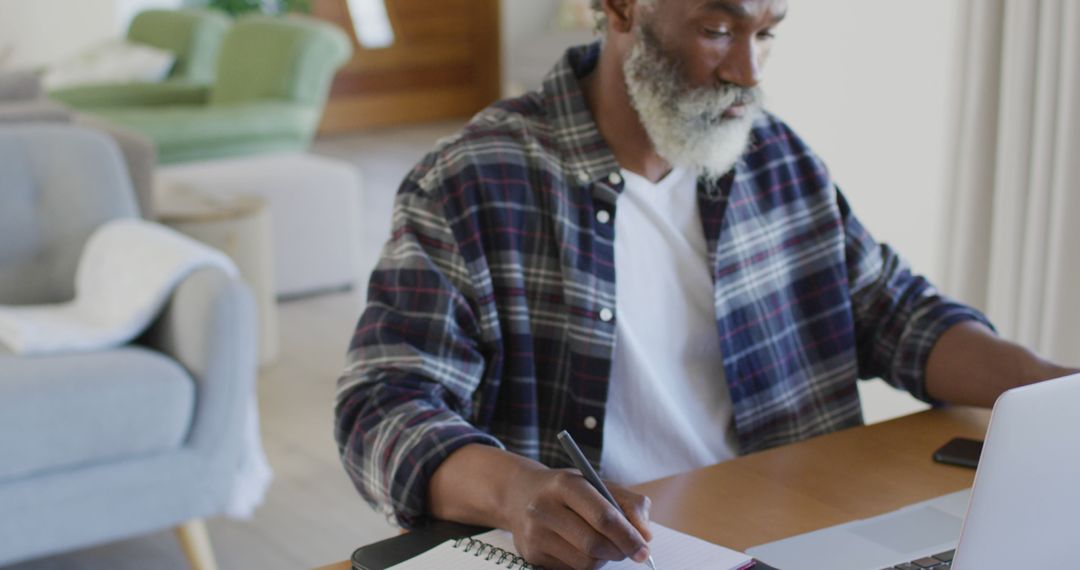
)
(668, 408)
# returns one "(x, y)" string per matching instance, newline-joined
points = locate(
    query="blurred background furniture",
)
(239, 226)
(314, 206)
(193, 36)
(443, 63)
(101, 446)
(22, 101)
(272, 79)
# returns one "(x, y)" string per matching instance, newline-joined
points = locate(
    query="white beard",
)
(686, 124)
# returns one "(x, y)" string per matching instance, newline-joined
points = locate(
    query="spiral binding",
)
(493, 554)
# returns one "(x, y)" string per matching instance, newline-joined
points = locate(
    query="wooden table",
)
(817, 483)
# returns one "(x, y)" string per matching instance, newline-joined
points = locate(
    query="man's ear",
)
(620, 14)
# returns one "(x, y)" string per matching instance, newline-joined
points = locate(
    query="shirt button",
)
(590, 423)
(606, 315)
(583, 176)
(603, 216)
(615, 178)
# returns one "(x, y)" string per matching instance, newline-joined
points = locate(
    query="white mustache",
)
(708, 105)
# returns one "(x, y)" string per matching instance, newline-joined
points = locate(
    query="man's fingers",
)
(636, 507)
(574, 530)
(602, 516)
(559, 553)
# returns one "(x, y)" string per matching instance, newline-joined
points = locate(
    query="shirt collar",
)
(586, 153)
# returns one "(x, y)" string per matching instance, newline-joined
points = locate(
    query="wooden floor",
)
(312, 515)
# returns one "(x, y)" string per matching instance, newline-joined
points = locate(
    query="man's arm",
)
(971, 365)
(403, 406)
(416, 358)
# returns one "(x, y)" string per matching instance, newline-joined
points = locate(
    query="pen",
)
(582, 464)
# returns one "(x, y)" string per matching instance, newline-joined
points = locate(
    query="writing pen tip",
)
(652, 564)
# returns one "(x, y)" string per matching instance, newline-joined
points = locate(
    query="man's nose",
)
(742, 65)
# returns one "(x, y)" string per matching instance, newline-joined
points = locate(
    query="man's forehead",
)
(744, 9)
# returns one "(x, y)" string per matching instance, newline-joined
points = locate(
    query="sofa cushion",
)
(194, 35)
(62, 412)
(94, 98)
(112, 61)
(281, 59)
(184, 133)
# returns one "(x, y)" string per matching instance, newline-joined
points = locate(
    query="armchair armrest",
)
(209, 327)
(124, 95)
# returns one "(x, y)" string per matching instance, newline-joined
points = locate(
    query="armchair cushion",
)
(66, 411)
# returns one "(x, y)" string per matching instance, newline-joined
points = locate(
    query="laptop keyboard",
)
(937, 562)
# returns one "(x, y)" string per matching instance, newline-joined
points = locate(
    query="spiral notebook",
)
(670, 549)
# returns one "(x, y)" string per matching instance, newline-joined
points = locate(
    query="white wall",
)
(126, 9)
(38, 32)
(870, 85)
(34, 33)
(526, 54)
(526, 18)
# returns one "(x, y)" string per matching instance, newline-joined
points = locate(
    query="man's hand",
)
(563, 522)
(558, 520)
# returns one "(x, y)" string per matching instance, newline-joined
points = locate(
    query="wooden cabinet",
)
(444, 63)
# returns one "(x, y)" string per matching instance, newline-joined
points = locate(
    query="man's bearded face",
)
(705, 128)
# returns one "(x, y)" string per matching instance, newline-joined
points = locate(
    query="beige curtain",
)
(1014, 223)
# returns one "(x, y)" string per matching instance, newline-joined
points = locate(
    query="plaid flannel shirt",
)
(490, 316)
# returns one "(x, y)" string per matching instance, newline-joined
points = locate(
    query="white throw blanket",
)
(126, 273)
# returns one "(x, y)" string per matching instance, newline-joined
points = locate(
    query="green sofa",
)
(273, 75)
(194, 36)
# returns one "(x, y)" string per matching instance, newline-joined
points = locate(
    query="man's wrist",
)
(481, 485)
(1040, 369)
(513, 498)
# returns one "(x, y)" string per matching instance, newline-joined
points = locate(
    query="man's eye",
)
(767, 34)
(717, 32)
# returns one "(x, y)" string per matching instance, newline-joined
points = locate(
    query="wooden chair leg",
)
(195, 542)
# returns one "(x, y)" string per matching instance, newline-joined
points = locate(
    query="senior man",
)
(641, 255)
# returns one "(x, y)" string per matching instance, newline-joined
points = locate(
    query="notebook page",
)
(671, 550)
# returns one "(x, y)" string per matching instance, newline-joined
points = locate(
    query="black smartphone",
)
(960, 451)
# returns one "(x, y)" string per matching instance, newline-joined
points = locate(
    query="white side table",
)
(239, 226)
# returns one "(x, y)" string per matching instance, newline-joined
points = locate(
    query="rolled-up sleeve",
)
(899, 315)
(415, 360)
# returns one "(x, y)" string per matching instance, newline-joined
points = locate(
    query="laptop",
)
(1022, 512)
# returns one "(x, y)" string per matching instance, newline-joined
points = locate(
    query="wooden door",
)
(444, 63)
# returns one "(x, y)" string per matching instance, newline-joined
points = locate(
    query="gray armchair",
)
(22, 100)
(102, 446)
